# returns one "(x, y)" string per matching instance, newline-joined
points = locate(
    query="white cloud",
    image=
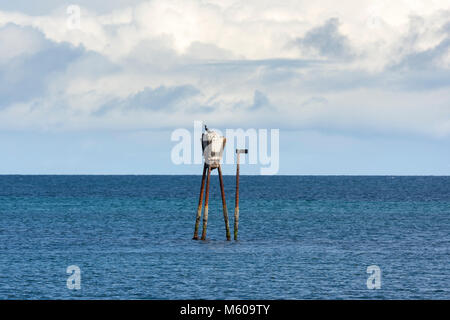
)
(354, 66)
(250, 30)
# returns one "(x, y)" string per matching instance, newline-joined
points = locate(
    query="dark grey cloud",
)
(260, 100)
(161, 97)
(30, 74)
(158, 99)
(421, 70)
(416, 70)
(327, 41)
(27, 75)
(426, 59)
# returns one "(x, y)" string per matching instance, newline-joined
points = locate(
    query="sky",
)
(355, 87)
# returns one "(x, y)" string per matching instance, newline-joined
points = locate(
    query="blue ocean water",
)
(301, 237)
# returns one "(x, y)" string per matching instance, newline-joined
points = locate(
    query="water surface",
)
(305, 237)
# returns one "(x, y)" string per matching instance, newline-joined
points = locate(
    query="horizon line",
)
(250, 175)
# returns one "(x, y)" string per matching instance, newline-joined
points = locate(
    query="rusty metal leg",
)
(236, 205)
(200, 204)
(224, 205)
(205, 215)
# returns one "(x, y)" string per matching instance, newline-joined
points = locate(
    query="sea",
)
(300, 237)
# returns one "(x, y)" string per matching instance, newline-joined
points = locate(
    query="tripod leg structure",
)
(200, 204)
(224, 204)
(236, 206)
(205, 216)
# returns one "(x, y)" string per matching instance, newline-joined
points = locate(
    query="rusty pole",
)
(236, 204)
(200, 204)
(205, 215)
(224, 204)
